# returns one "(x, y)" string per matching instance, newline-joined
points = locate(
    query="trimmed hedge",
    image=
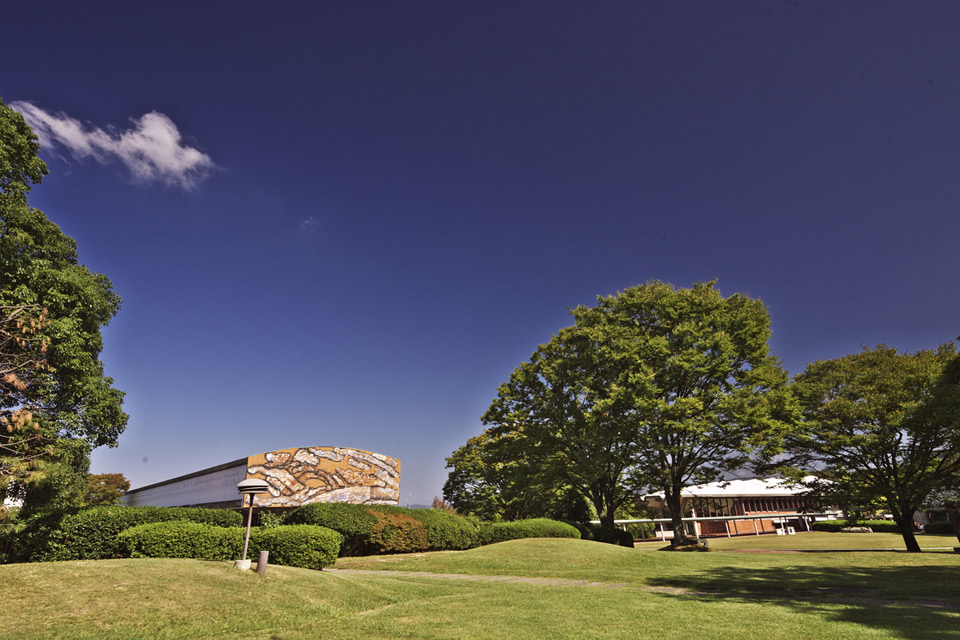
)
(491, 532)
(298, 545)
(302, 545)
(878, 526)
(182, 539)
(352, 521)
(943, 526)
(369, 529)
(584, 529)
(91, 534)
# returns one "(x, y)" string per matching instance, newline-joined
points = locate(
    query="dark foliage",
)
(611, 535)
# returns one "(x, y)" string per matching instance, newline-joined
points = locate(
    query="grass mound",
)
(783, 596)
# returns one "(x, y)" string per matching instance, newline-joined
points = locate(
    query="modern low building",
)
(295, 477)
(753, 497)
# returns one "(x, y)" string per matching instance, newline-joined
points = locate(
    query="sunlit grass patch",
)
(743, 595)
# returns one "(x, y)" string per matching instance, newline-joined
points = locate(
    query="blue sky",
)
(376, 210)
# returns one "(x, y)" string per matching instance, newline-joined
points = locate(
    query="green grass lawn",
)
(666, 595)
(823, 540)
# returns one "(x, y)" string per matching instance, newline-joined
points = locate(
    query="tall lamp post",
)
(249, 487)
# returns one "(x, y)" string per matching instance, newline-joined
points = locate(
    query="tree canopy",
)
(54, 310)
(881, 425)
(105, 489)
(19, 163)
(653, 388)
(500, 474)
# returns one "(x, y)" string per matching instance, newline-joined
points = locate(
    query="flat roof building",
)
(751, 497)
(295, 477)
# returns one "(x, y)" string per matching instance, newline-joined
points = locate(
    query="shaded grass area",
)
(669, 595)
(826, 540)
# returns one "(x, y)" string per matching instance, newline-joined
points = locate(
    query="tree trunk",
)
(606, 519)
(611, 510)
(675, 502)
(909, 539)
(904, 519)
(604, 513)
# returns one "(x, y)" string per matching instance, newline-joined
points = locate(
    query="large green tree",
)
(501, 475)
(881, 425)
(55, 384)
(653, 388)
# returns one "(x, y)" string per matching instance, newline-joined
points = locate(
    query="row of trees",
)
(657, 388)
(56, 404)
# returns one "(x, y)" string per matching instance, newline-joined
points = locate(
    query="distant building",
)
(753, 497)
(296, 477)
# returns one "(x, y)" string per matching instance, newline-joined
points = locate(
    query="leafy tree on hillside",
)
(500, 475)
(654, 387)
(53, 390)
(104, 489)
(882, 425)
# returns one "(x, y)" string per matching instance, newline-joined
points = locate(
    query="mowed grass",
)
(822, 540)
(665, 595)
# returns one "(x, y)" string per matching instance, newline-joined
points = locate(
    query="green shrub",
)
(398, 533)
(26, 538)
(268, 519)
(303, 545)
(357, 523)
(943, 526)
(611, 535)
(491, 532)
(298, 545)
(829, 525)
(352, 521)
(182, 539)
(878, 526)
(91, 534)
(584, 529)
(445, 531)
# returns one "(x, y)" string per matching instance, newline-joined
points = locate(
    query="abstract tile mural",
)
(325, 474)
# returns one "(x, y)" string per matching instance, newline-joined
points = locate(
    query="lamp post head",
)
(252, 486)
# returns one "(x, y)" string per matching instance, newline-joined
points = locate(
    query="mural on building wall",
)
(325, 474)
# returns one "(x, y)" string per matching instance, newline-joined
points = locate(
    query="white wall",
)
(218, 486)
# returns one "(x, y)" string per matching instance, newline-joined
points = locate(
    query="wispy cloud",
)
(309, 223)
(151, 148)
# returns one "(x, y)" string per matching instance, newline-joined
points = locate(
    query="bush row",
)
(878, 526)
(491, 532)
(91, 534)
(370, 529)
(365, 529)
(305, 546)
(943, 526)
(610, 535)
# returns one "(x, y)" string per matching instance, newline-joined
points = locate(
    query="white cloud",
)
(151, 148)
(309, 223)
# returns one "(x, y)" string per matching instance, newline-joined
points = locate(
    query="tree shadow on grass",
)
(912, 602)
